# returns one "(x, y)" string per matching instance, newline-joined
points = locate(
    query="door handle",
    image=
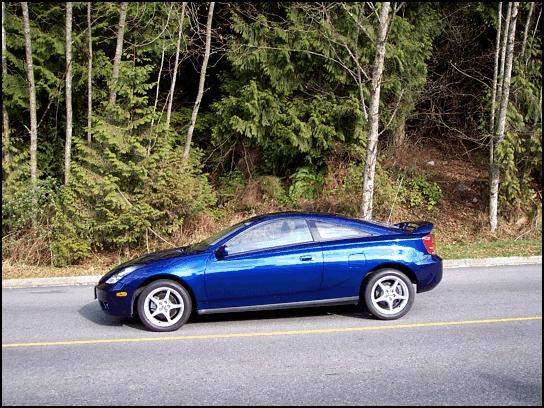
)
(306, 258)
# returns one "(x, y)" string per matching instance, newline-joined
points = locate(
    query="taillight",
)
(428, 241)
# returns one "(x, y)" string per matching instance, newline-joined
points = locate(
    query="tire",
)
(389, 294)
(164, 305)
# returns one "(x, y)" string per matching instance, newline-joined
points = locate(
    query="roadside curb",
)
(93, 280)
(513, 260)
(64, 281)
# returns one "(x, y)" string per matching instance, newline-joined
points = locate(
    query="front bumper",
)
(113, 302)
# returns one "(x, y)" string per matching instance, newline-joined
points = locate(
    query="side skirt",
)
(292, 305)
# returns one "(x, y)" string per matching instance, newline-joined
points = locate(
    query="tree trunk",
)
(359, 69)
(68, 144)
(493, 176)
(503, 46)
(495, 75)
(158, 86)
(373, 118)
(399, 134)
(89, 74)
(152, 136)
(176, 63)
(494, 172)
(118, 52)
(202, 81)
(526, 31)
(32, 106)
(5, 117)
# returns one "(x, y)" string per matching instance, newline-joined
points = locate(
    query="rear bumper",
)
(431, 276)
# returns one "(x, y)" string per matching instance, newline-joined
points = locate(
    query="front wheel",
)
(389, 294)
(164, 305)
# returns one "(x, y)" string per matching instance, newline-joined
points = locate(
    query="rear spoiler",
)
(416, 227)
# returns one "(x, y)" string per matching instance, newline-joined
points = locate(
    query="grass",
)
(495, 249)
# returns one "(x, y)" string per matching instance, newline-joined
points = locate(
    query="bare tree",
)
(89, 74)
(153, 137)
(32, 104)
(69, 112)
(494, 91)
(535, 30)
(176, 64)
(526, 31)
(202, 81)
(157, 90)
(5, 117)
(385, 18)
(499, 131)
(496, 72)
(118, 51)
(385, 14)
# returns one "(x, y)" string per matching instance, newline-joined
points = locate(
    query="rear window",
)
(330, 231)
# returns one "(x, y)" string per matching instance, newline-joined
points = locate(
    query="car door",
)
(344, 261)
(273, 262)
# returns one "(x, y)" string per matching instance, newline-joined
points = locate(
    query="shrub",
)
(274, 191)
(122, 209)
(27, 226)
(307, 182)
(418, 189)
(231, 187)
(385, 190)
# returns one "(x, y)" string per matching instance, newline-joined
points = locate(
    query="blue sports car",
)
(276, 261)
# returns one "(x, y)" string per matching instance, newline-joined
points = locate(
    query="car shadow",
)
(93, 313)
(347, 311)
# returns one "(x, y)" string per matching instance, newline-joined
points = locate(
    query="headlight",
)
(122, 273)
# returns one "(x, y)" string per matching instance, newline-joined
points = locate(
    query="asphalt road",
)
(474, 340)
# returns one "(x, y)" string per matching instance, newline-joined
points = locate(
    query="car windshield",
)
(205, 244)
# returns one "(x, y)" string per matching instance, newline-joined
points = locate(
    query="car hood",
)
(152, 257)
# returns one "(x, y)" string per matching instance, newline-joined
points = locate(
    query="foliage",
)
(26, 228)
(349, 193)
(520, 153)
(118, 198)
(18, 209)
(408, 49)
(230, 187)
(273, 190)
(177, 188)
(418, 189)
(307, 183)
(282, 91)
(288, 116)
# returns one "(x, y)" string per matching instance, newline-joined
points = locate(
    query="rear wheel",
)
(164, 305)
(389, 294)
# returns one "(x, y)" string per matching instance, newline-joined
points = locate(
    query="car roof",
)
(377, 227)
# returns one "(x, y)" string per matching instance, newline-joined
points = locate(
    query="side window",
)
(270, 235)
(329, 231)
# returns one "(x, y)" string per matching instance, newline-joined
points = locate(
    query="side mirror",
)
(222, 252)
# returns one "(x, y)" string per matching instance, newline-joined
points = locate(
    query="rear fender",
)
(398, 267)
